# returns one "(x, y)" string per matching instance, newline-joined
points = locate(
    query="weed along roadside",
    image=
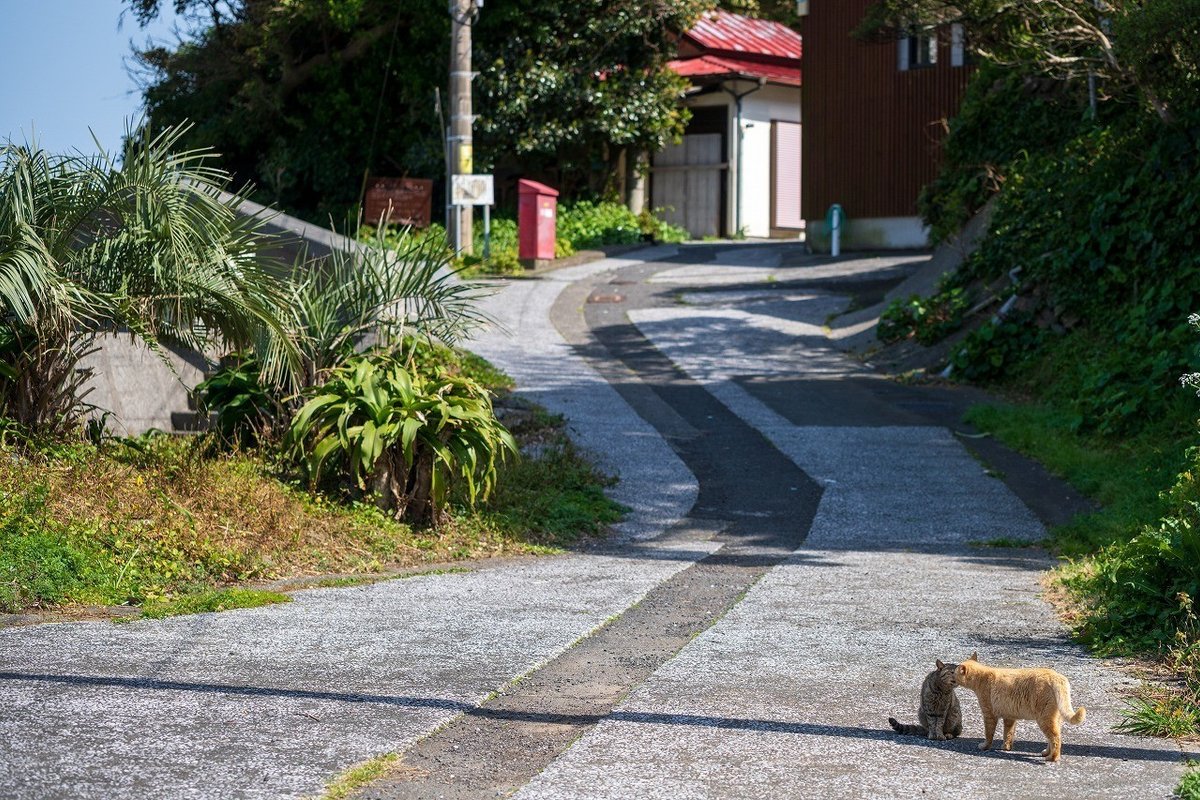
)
(173, 525)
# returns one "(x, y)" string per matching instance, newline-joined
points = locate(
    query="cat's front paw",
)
(985, 746)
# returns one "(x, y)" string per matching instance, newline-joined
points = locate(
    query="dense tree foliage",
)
(302, 97)
(573, 82)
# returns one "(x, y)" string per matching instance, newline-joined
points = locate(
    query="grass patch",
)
(1189, 784)
(216, 600)
(1159, 711)
(551, 496)
(359, 775)
(1124, 476)
(346, 583)
(158, 519)
(349, 581)
(550, 501)
(1006, 542)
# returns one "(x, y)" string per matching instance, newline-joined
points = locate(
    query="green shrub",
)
(1140, 591)
(404, 436)
(246, 411)
(433, 360)
(996, 349)
(586, 224)
(926, 319)
(658, 229)
(40, 562)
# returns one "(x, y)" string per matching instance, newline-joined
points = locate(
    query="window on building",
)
(918, 50)
(958, 46)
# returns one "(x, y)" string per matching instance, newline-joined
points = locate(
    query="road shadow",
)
(1026, 751)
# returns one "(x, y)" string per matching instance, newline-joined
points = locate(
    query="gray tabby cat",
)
(940, 715)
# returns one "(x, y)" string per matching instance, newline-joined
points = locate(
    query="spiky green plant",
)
(364, 297)
(403, 435)
(147, 243)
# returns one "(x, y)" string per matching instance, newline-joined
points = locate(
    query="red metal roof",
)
(734, 34)
(717, 67)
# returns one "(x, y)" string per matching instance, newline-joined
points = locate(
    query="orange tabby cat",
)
(1012, 694)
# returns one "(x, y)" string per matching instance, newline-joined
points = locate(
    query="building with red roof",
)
(738, 167)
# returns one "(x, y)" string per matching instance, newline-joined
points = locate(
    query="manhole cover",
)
(606, 297)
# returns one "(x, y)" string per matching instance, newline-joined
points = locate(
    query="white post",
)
(487, 232)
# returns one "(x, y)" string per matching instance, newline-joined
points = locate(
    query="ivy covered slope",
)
(1098, 214)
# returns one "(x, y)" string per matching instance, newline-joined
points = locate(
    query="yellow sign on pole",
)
(466, 160)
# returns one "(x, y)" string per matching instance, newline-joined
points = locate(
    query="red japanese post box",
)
(537, 221)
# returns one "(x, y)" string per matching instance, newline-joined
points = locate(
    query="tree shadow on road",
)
(1026, 750)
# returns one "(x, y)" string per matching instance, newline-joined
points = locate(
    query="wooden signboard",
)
(403, 201)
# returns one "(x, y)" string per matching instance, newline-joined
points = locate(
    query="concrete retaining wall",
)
(140, 390)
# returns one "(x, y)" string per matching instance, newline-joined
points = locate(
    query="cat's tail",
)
(908, 730)
(1072, 715)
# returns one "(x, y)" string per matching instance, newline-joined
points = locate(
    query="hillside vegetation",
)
(1083, 290)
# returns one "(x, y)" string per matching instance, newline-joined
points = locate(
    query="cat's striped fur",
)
(939, 715)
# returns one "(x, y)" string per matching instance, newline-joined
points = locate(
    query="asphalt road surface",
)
(804, 539)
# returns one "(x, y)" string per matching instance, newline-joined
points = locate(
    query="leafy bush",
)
(246, 412)
(403, 435)
(586, 224)
(658, 229)
(434, 360)
(926, 319)
(996, 349)
(1140, 591)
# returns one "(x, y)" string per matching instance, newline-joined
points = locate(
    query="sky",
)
(63, 70)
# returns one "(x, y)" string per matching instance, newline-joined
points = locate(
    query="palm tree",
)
(366, 297)
(148, 244)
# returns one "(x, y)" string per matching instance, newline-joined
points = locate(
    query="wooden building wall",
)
(872, 133)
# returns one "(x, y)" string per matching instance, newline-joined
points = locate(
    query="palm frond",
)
(150, 245)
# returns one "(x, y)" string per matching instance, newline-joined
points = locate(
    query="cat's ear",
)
(939, 663)
(974, 656)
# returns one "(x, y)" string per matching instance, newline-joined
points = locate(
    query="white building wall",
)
(758, 110)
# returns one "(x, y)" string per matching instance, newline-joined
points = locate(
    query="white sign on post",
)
(472, 190)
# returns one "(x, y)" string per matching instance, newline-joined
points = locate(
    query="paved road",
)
(799, 550)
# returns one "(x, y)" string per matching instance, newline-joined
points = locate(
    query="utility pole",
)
(462, 17)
